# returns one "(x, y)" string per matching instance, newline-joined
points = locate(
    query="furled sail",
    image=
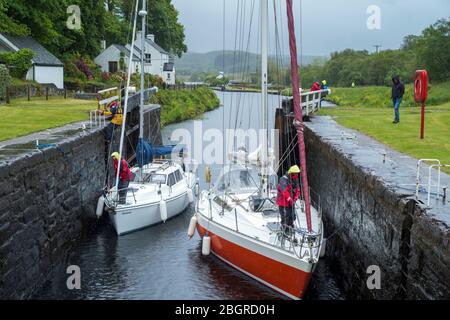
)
(145, 151)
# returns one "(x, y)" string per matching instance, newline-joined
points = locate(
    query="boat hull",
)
(132, 218)
(269, 266)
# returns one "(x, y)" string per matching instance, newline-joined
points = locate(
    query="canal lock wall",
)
(371, 221)
(48, 200)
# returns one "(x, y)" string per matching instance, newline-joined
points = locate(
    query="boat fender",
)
(163, 210)
(196, 188)
(192, 224)
(323, 248)
(100, 206)
(190, 195)
(206, 245)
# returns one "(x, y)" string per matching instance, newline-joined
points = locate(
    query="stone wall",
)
(372, 223)
(48, 200)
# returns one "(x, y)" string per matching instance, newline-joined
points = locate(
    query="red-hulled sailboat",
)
(238, 220)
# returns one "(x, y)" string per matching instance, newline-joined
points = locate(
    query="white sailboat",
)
(160, 189)
(239, 222)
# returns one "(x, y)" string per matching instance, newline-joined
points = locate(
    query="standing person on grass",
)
(398, 90)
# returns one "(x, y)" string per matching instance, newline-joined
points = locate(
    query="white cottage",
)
(45, 69)
(157, 60)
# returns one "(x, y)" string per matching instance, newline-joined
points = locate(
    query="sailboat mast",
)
(298, 123)
(127, 90)
(143, 14)
(264, 5)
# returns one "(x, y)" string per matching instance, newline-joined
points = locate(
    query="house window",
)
(168, 76)
(148, 58)
(113, 66)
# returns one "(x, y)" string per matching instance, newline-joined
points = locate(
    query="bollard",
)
(29, 92)
(444, 196)
(46, 93)
(384, 157)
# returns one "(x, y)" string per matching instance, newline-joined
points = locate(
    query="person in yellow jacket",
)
(116, 119)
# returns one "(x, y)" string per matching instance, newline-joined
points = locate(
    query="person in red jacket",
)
(288, 193)
(315, 86)
(125, 176)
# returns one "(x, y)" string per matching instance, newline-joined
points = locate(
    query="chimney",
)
(151, 37)
(103, 44)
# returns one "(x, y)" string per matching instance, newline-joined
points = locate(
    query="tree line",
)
(46, 21)
(430, 50)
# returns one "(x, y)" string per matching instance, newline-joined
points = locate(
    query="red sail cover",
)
(298, 110)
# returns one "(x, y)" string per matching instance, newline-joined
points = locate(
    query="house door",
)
(113, 66)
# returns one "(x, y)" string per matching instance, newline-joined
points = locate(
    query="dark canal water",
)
(160, 262)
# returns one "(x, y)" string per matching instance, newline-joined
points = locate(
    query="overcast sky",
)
(328, 25)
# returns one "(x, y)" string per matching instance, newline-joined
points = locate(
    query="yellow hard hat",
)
(324, 82)
(294, 169)
(116, 155)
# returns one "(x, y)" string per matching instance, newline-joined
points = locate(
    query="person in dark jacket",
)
(288, 193)
(125, 176)
(115, 114)
(398, 90)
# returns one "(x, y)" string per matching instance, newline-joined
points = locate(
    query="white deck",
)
(255, 225)
(143, 201)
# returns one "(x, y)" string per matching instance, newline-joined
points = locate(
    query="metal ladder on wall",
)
(436, 163)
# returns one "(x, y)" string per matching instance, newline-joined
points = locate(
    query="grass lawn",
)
(23, 117)
(376, 121)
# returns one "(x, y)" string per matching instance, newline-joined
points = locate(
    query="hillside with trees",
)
(46, 22)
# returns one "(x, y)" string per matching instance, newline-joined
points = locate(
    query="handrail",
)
(439, 166)
(96, 119)
(294, 232)
(418, 173)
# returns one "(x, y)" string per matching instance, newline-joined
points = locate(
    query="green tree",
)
(162, 22)
(18, 62)
(8, 24)
(433, 49)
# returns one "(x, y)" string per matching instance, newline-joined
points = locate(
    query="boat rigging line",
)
(125, 109)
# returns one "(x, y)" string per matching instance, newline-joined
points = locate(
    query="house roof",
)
(168, 66)
(42, 55)
(157, 47)
(127, 52)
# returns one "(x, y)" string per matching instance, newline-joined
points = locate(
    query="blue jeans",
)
(397, 103)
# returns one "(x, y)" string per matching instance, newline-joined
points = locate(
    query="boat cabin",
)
(164, 174)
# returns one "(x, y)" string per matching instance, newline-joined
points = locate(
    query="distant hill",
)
(193, 62)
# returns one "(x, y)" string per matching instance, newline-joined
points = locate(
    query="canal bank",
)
(372, 218)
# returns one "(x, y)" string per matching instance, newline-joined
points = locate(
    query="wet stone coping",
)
(395, 170)
(10, 150)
